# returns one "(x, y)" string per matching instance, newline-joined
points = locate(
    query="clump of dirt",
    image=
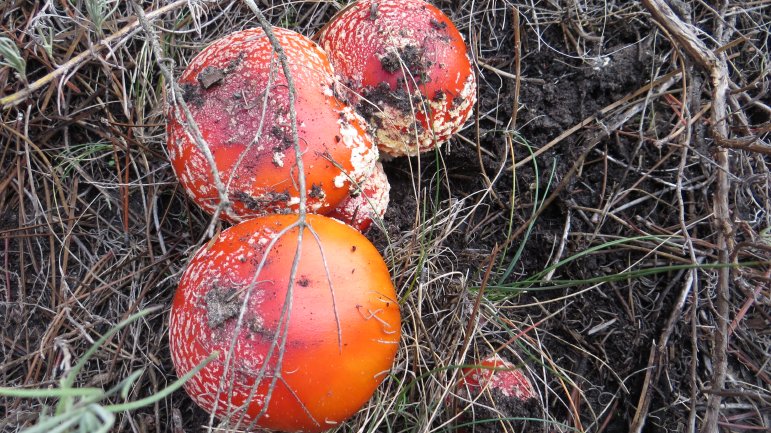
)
(493, 408)
(192, 94)
(271, 198)
(221, 305)
(411, 58)
(375, 98)
(438, 25)
(317, 192)
(210, 76)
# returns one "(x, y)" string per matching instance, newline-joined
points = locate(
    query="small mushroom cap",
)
(238, 95)
(366, 203)
(342, 331)
(498, 390)
(496, 373)
(405, 68)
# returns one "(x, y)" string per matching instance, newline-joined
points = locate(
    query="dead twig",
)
(281, 337)
(715, 65)
(189, 122)
(517, 67)
(68, 67)
(746, 144)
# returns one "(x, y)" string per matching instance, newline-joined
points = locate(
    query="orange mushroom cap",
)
(238, 95)
(343, 326)
(406, 70)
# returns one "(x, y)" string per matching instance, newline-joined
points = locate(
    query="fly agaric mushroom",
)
(406, 70)
(368, 202)
(304, 360)
(239, 97)
(503, 390)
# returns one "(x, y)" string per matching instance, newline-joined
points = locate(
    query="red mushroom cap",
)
(238, 95)
(499, 391)
(497, 374)
(342, 332)
(407, 58)
(368, 202)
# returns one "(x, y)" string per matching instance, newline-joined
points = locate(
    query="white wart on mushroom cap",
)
(405, 68)
(238, 95)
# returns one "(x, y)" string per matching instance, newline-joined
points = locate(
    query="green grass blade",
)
(162, 393)
(609, 244)
(70, 378)
(56, 423)
(639, 273)
(107, 418)
(50, 393)
(538, 200)
(10, 56)
(125, 385)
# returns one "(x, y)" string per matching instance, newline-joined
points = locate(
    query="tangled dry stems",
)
(94, 226)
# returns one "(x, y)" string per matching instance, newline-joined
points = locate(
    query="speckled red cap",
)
(238, 95)
(342, 327)
(499, 376)
(405, 68)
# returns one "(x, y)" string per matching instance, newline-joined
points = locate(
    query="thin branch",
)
(281, 338)
(266, 26)
(517, 67)
(75, 62)
(715, 65)
(188, 122)
(331, 288)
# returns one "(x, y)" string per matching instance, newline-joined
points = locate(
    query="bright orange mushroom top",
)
(343, 323)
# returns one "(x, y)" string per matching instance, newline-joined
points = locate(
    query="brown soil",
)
(93, 225)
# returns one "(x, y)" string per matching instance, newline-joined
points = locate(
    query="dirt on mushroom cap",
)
(341, 339)
(405, 68)
(246, 122)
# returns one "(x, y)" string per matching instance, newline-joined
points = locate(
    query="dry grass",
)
(574, 226)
